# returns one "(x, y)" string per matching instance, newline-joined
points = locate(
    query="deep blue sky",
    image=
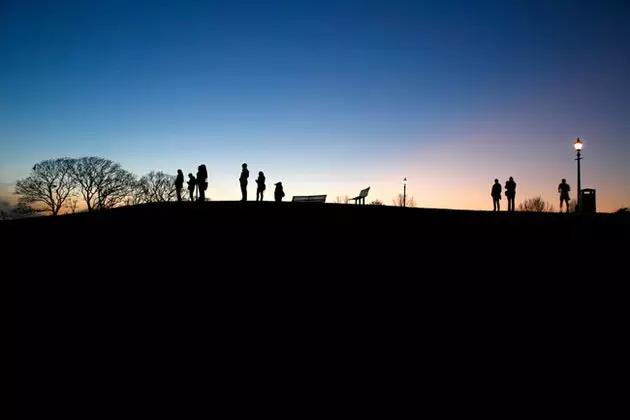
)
(327, 96)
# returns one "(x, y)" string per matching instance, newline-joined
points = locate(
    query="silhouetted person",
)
(260, 190)
(243, 181)
(279, 192)
(495, 193)
(179, 184)
(563, 189)
(202, 181)
(192, 183)
(510, 193)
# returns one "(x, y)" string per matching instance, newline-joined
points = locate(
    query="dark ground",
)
(189, 308)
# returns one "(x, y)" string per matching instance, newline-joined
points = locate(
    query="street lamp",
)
(578, 150)
(405, 192)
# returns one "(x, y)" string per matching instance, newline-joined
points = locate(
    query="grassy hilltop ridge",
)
(169, 303)
(152, 249)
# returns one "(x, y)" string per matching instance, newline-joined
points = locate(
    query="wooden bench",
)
(309, 199)
(360, 199)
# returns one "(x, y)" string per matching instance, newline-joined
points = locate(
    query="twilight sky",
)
(327, 96)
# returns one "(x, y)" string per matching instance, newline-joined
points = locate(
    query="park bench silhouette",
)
(309, 198)
(360, 199)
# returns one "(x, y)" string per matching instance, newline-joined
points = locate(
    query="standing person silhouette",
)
(243, 181)
(192, 183)
(179, 184)
(510, 193)
(279, 192)
(563, 189)
(202, 182)
(495, 193)
(260, 190)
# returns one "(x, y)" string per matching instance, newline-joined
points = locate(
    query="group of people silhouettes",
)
(200, 185)
(510, 194)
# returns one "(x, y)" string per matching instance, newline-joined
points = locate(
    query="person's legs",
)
(243, 192)
(178, 191)
(495, 203)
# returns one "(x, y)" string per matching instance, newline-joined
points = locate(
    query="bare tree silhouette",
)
(342, 199)
(377, 202)
(71, 204)
(102, 182)
(136, 194)
(399, 201)
(50, 183)
(9, 211)
(155, 187)
(535, 204)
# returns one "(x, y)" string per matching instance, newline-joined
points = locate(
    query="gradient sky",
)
(327, 96)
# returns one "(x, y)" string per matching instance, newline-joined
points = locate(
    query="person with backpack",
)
(260, 190)
(563, 189)
(202, 182)
(192, 183)
(510, 193)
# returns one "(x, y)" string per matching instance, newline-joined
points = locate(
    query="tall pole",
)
(579, 182)
(405, 194)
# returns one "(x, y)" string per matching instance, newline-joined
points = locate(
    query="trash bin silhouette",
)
(587, 200)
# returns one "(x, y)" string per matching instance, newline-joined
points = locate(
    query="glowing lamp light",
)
(578, 145)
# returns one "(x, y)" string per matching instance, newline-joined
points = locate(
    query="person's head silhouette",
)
(511, 179)
(496, 181)
(564, 180)
(261, 173)
(244, 165)
(179, 172)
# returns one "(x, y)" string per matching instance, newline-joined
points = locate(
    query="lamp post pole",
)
(405, 192)
(578, 149)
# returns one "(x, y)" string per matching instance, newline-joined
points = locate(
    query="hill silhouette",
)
(159, 307)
